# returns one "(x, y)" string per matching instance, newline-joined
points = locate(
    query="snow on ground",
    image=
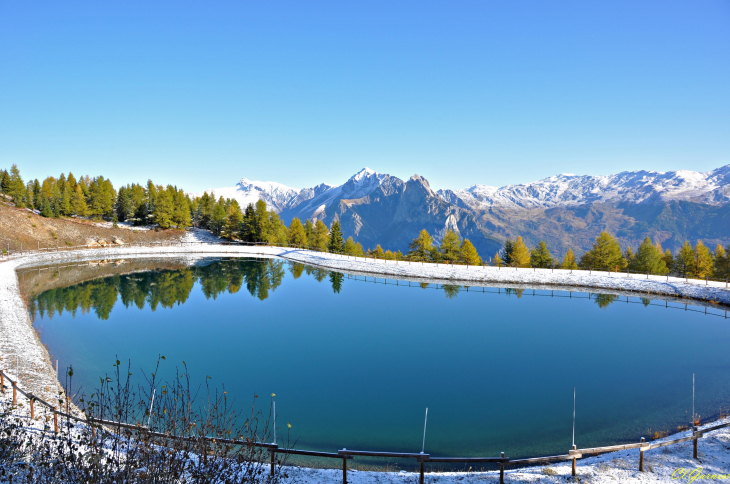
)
(22, 354)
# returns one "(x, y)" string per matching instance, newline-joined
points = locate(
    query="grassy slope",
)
(22, 226)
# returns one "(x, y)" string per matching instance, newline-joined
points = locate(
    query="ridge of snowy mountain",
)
(279, 197)
(711, 188)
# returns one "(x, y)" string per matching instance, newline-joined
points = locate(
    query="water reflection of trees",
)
(164, 288)
(168, 288)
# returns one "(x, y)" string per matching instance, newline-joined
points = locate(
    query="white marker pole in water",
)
(574, 417)
(425, 421)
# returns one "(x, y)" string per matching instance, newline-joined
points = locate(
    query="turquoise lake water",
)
(354, 364)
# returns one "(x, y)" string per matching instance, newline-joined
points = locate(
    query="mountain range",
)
(564, 210)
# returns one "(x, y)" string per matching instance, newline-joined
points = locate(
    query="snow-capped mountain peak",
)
(642, 186)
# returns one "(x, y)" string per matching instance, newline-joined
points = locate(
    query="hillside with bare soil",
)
(21, 226)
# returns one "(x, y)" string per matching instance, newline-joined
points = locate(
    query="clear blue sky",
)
(200, 94)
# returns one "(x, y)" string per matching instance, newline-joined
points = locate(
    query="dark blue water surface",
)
(355, 364)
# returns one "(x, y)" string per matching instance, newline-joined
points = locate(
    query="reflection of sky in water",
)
(354, 364)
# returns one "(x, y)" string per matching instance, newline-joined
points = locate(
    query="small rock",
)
(116, 240)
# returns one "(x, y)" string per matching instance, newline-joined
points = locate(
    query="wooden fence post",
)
(501, 471)
(344, 470)
(15, 400)
(273, 460)
(32, 410)
(694, 442)
(2, 382)
(55, 420)
(641, 456)
(422, 476)
(574, 461)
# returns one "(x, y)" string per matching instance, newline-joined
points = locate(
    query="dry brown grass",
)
(20, 226)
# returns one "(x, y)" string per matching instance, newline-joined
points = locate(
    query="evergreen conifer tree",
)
(321, 236)
(507, 252)
(722, 262)
(309, 232)
(163, 209)
(540, 256)
(569, 260)
(703, 263)
(684, 262)
(450, 249)
(46, 209)
(630, 259)
(520, 254)
(605, 255)
(65, 204)
(668, 259)
(16, 188)
(378, 252)
(649, 259)
(469, 254)
(234, 220)
(4, 182)
(421, 248)
(297, 235)
(218, 218)
(337, 241)
(350, 247)
(182, 216)
(36, 194)
(247, 227)
(78, 202)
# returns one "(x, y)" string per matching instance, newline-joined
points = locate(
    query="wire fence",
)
(345, 454)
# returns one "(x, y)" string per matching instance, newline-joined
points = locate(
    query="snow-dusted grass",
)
(21, 349)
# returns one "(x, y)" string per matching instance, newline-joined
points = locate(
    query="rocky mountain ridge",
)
(565, 210)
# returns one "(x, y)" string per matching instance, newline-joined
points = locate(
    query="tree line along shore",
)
(170, 207)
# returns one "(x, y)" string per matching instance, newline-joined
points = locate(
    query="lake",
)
(355, 363)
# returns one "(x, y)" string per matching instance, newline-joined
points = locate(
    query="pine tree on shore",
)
(684, 261)
(78, 202)
(321, 236)
(297, 235)
(520, 254)
(703, 263)
(497, 260)
(450, 249)
(337, 241)
(649, 259)
(605, 255)
(469, 254)
(421, 248)
(569, 260)
(540, 256)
